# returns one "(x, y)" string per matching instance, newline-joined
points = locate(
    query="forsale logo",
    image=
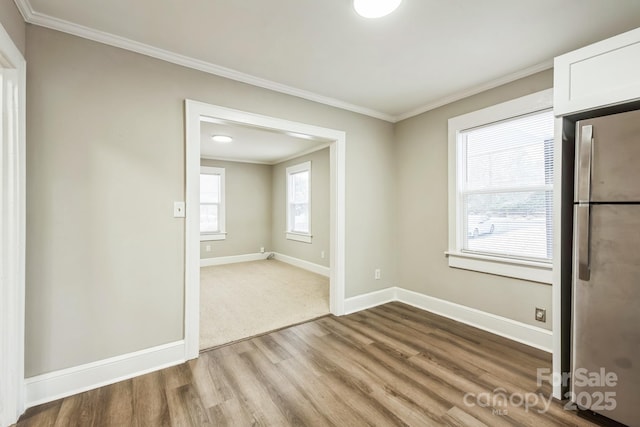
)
(593, 399)
(596, 400)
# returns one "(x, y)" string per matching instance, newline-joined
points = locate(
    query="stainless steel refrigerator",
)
(606, 268)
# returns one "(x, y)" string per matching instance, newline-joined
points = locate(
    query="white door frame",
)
(12, 229)
(194, 110)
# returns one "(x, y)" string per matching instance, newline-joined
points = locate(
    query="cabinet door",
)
(598, 75)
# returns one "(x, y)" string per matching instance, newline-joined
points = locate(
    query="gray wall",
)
(422, 200)
(12, 21)
(105, 162)
(248, 209)
(319, 210)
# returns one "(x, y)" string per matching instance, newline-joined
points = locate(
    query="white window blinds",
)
(506, 187)
(210, 201)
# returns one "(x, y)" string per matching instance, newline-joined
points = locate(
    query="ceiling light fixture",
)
(375, 8)
(222, 138)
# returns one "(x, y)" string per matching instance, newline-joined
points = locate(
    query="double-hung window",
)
(212, 209)
(299, 202)
(501, 189)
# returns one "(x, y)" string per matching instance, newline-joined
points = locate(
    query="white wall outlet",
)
(322, 254)
(376, 274)
(541, 314)
(178, 210)
(262, 249)
(207, 248)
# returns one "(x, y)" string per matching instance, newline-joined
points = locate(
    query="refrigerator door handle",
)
(583, 244)
(585, 154)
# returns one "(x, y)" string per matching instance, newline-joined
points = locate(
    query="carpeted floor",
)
(250, 298)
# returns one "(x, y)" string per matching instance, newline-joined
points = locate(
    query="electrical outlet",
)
(376, 274)
(207, 248)
(541, 314)
(322, 254)
(262, 250)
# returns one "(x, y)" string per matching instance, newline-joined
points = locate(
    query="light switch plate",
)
(178, 210)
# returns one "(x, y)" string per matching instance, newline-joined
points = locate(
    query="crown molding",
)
(25, 9)
(475, 90)
(36, 18)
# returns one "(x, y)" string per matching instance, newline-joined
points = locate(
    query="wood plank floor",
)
(387, 366)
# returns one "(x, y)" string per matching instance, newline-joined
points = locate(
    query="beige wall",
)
(256, 215)
(14, 25)
(248, 210)
(105, 162)
(422, 201)
(319, 210)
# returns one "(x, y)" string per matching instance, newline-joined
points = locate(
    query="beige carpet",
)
(250, 298)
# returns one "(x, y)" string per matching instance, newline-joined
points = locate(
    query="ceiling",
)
(253, 144)
(427, 53)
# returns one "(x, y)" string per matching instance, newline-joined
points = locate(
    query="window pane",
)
(209, 188)
(510, 154)
(506, 193)
(209, 219)
(299, 187)
(515, 224)
(299, 214)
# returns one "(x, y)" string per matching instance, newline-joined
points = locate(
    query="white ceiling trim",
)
(53, 23)
(226, 159)
(476, 89)
(272, 163)
(303, 153)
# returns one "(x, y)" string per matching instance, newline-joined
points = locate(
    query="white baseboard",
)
(371, 299)
(517, 331)
(314, 268)
(206, 262)
(66, 382)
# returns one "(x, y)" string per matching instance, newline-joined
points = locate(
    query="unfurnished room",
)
(319, 213)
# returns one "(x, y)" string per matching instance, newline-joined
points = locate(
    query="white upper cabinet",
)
(599, 75)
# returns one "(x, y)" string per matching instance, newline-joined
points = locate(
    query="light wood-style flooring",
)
(392, 365)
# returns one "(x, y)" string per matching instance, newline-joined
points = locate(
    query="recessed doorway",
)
(198, 113)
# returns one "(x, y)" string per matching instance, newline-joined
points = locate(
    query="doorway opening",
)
(12, 229)
(197, 113)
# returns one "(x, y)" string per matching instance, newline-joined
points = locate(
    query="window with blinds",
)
(505, 188)
(299, 202)
(212, 214)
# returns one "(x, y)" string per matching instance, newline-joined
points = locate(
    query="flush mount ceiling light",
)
(222, 138)
(375, 8)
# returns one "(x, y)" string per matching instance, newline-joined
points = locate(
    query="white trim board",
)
(66, 382)
(532, 336)
(12, 228)
(306, 265)
(370, 300)
(310, 266)
(195, 112)
(232, 259)
(43, 20)
(57, 24)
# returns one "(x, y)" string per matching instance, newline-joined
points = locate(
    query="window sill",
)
(299, 237)
(216, 236)
(525, 270)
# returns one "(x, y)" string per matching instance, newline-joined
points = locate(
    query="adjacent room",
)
(264, 231)
(323, 213)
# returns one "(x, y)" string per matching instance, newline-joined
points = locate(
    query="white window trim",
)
(290, 234)
(222, 234)
(502, 266)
